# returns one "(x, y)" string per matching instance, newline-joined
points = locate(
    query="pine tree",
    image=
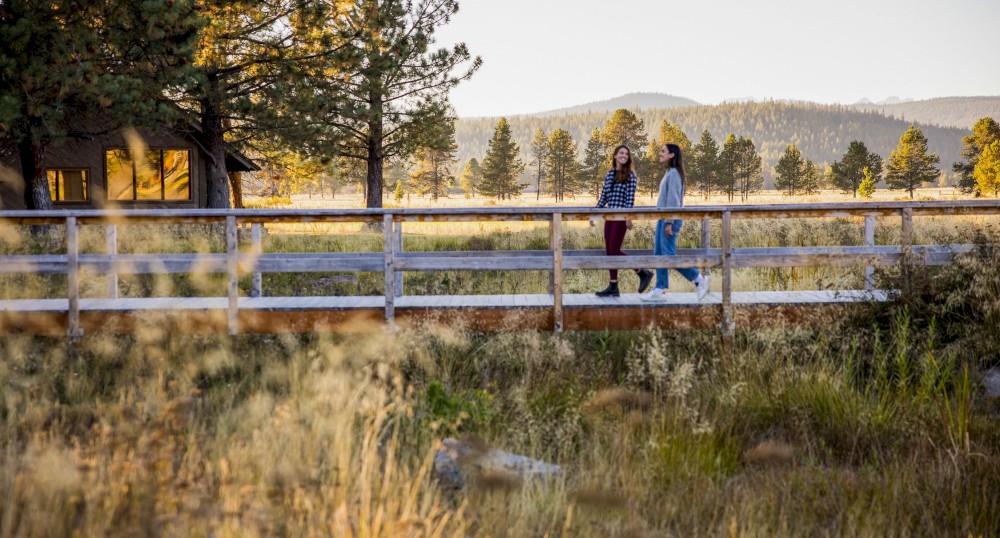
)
(984, 132)
(397, 173)
(727, 166)
(987, 171)
(397, 195)
(502, 166)
(703, 164)
(472, 174)
(435, 155)
(672, 134)
(561, 164)
(595, 163)
(790, 171)
(910, 164)
(867, 187)
(394, 83)
(66, 60)
(624, 127)
(649, 166)
(742, 167)
(540, 152)
(849, 171)
(254, 59)
(811, 178)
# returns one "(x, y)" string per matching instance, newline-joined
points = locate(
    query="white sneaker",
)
(703, 288)
(655, 295)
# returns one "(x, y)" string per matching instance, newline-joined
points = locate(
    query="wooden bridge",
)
(556, 310)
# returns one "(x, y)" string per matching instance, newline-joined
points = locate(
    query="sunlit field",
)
(874, 422)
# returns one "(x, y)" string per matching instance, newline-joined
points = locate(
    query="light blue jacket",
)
(671, 194)
(671, 190)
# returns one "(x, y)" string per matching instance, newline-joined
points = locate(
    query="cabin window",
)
(163, 174)
(68, 185)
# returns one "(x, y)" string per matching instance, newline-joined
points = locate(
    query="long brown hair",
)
(622, 174)
(677, 162)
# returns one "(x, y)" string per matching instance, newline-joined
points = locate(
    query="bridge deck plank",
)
(437, 302)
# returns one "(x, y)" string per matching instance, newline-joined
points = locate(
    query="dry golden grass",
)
(162, 434)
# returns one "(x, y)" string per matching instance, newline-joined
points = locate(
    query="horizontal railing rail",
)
(394, 260)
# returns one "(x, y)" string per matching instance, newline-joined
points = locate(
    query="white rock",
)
(991, 381)
(458, 459)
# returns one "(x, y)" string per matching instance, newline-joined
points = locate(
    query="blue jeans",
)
(666, 245)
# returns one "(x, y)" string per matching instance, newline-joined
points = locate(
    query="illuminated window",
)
(164, 174)
(68, 185)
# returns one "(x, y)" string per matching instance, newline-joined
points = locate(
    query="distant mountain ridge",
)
(961, 112)
(630, 101)
(891, 100)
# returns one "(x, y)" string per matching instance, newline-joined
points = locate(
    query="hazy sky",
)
(545, 54)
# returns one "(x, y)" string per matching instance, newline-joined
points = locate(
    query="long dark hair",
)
(622, 174)
(677, 162)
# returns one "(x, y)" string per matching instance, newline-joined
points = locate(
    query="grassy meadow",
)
(872, 423)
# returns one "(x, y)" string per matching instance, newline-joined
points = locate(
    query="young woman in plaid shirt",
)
(619, 192)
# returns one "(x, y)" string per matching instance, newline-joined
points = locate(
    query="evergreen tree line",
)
(735, 169)
(820, 132)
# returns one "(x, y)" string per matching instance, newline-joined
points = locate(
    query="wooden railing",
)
(393, 261)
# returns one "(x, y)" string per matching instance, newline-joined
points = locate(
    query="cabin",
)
(128, 169)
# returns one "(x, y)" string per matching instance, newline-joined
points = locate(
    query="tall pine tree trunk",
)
(374, 182)
(538, 184)
(215, 146)
(236, 184)
(36, 184)
(375, 179)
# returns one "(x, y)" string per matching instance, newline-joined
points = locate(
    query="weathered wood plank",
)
(640, 262)
(557, 272)
(907, 240)
(592, 259)
(256, 249)
(727, 275)
(398, 250)
(427, 263)
(233, 271)
(389, 247)
(869, 238)
(73, 277)
(193, 216)
(111, 238)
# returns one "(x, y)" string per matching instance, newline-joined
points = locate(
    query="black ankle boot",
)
(610, 291)
(645, 278)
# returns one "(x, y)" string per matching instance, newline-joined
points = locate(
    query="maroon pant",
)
(614, 236)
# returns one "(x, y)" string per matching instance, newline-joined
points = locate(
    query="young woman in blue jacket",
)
(665, 243)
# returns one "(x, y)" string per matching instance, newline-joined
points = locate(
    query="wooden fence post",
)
(233, 271)
(112, 239)
(397, 249)
(555, 233)
(73, 329)
(390, 270)
(257, 248)
(869, 242)
(706, 237)
(727, 276)
(907, 229)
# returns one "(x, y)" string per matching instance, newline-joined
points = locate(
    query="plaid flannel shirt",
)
(618, 195)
